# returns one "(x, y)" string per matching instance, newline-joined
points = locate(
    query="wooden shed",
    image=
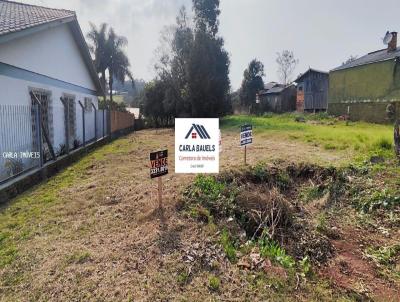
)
(312, 91)
(278, 99)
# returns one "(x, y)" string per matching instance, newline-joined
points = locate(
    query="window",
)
(71, 123)
(44, 97)
(88, 105)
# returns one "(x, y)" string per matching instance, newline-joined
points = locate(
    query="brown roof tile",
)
(16, 16)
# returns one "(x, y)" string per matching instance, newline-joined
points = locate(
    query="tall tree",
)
(209, 63)
(206, 15)
(108, 51)
(286, 66)
(98, 48)
(252, 82)
(118, 62)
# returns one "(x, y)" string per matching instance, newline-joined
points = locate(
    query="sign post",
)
(159, 168)
(246, 138)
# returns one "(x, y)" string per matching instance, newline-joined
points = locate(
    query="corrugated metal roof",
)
(16, 16)
(277, 89)
(269, 85)
(376, 56)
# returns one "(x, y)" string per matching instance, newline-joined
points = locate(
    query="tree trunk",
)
(103, 75)
(397, 137)
(111, 80)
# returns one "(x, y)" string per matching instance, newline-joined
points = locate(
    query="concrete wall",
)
(364, 90)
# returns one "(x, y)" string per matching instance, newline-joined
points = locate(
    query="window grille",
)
(44, 97)
(70, 101)
(88, 105)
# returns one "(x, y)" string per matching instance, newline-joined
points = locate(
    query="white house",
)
(44, 51)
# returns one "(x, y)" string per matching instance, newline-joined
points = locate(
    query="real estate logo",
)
(197, 145)
(198, 129)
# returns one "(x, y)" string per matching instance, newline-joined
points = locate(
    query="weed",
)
(214, 283)
(322, 225)
(271, 249)
(312, 193)
(228, 246)
(377, 200)
(330, 146)
(183, 278)
(384, 255)
(305, 267)
(384, 144)
(212, 195)
(78, 258)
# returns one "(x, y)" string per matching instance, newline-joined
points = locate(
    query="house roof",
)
(307, 72)
(19, 19)
(372, 57)
(269, 85)
(17, 16)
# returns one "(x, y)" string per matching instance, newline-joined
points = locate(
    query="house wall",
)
(279, 102)
(16, 92)
(315, 91)
(52, 52)
(365, 91)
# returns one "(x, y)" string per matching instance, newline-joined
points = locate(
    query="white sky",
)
(322, 33)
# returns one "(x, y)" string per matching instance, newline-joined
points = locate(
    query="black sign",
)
(246, 135)
(158, 163)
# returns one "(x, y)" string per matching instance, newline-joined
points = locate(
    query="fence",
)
(121, 120)
(32, 135)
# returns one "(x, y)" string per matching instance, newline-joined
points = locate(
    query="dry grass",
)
(93, 232)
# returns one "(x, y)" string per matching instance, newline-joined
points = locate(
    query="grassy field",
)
(93, 232)
(361, 139)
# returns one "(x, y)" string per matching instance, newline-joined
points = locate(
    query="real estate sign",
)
(197, 145)
(246, 135)
(158, 163)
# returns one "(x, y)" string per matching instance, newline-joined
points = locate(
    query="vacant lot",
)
(94, 233)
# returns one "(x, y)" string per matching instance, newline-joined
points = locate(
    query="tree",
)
(286, 65)
(252, 82)
(208, 70)
(153, 102)
(350, 59)
(98, 48)
(206, 15)
(193, 64)
(108, 51)
(118, 64)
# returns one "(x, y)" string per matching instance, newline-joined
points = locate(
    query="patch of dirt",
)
(350, 270)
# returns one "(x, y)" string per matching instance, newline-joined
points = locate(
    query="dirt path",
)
(105, 240)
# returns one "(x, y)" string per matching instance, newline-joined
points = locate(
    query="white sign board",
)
(246, 135)
(196, 145)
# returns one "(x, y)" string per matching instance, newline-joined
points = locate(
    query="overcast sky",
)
(322, 33)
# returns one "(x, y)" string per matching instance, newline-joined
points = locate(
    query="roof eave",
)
(83, 47)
